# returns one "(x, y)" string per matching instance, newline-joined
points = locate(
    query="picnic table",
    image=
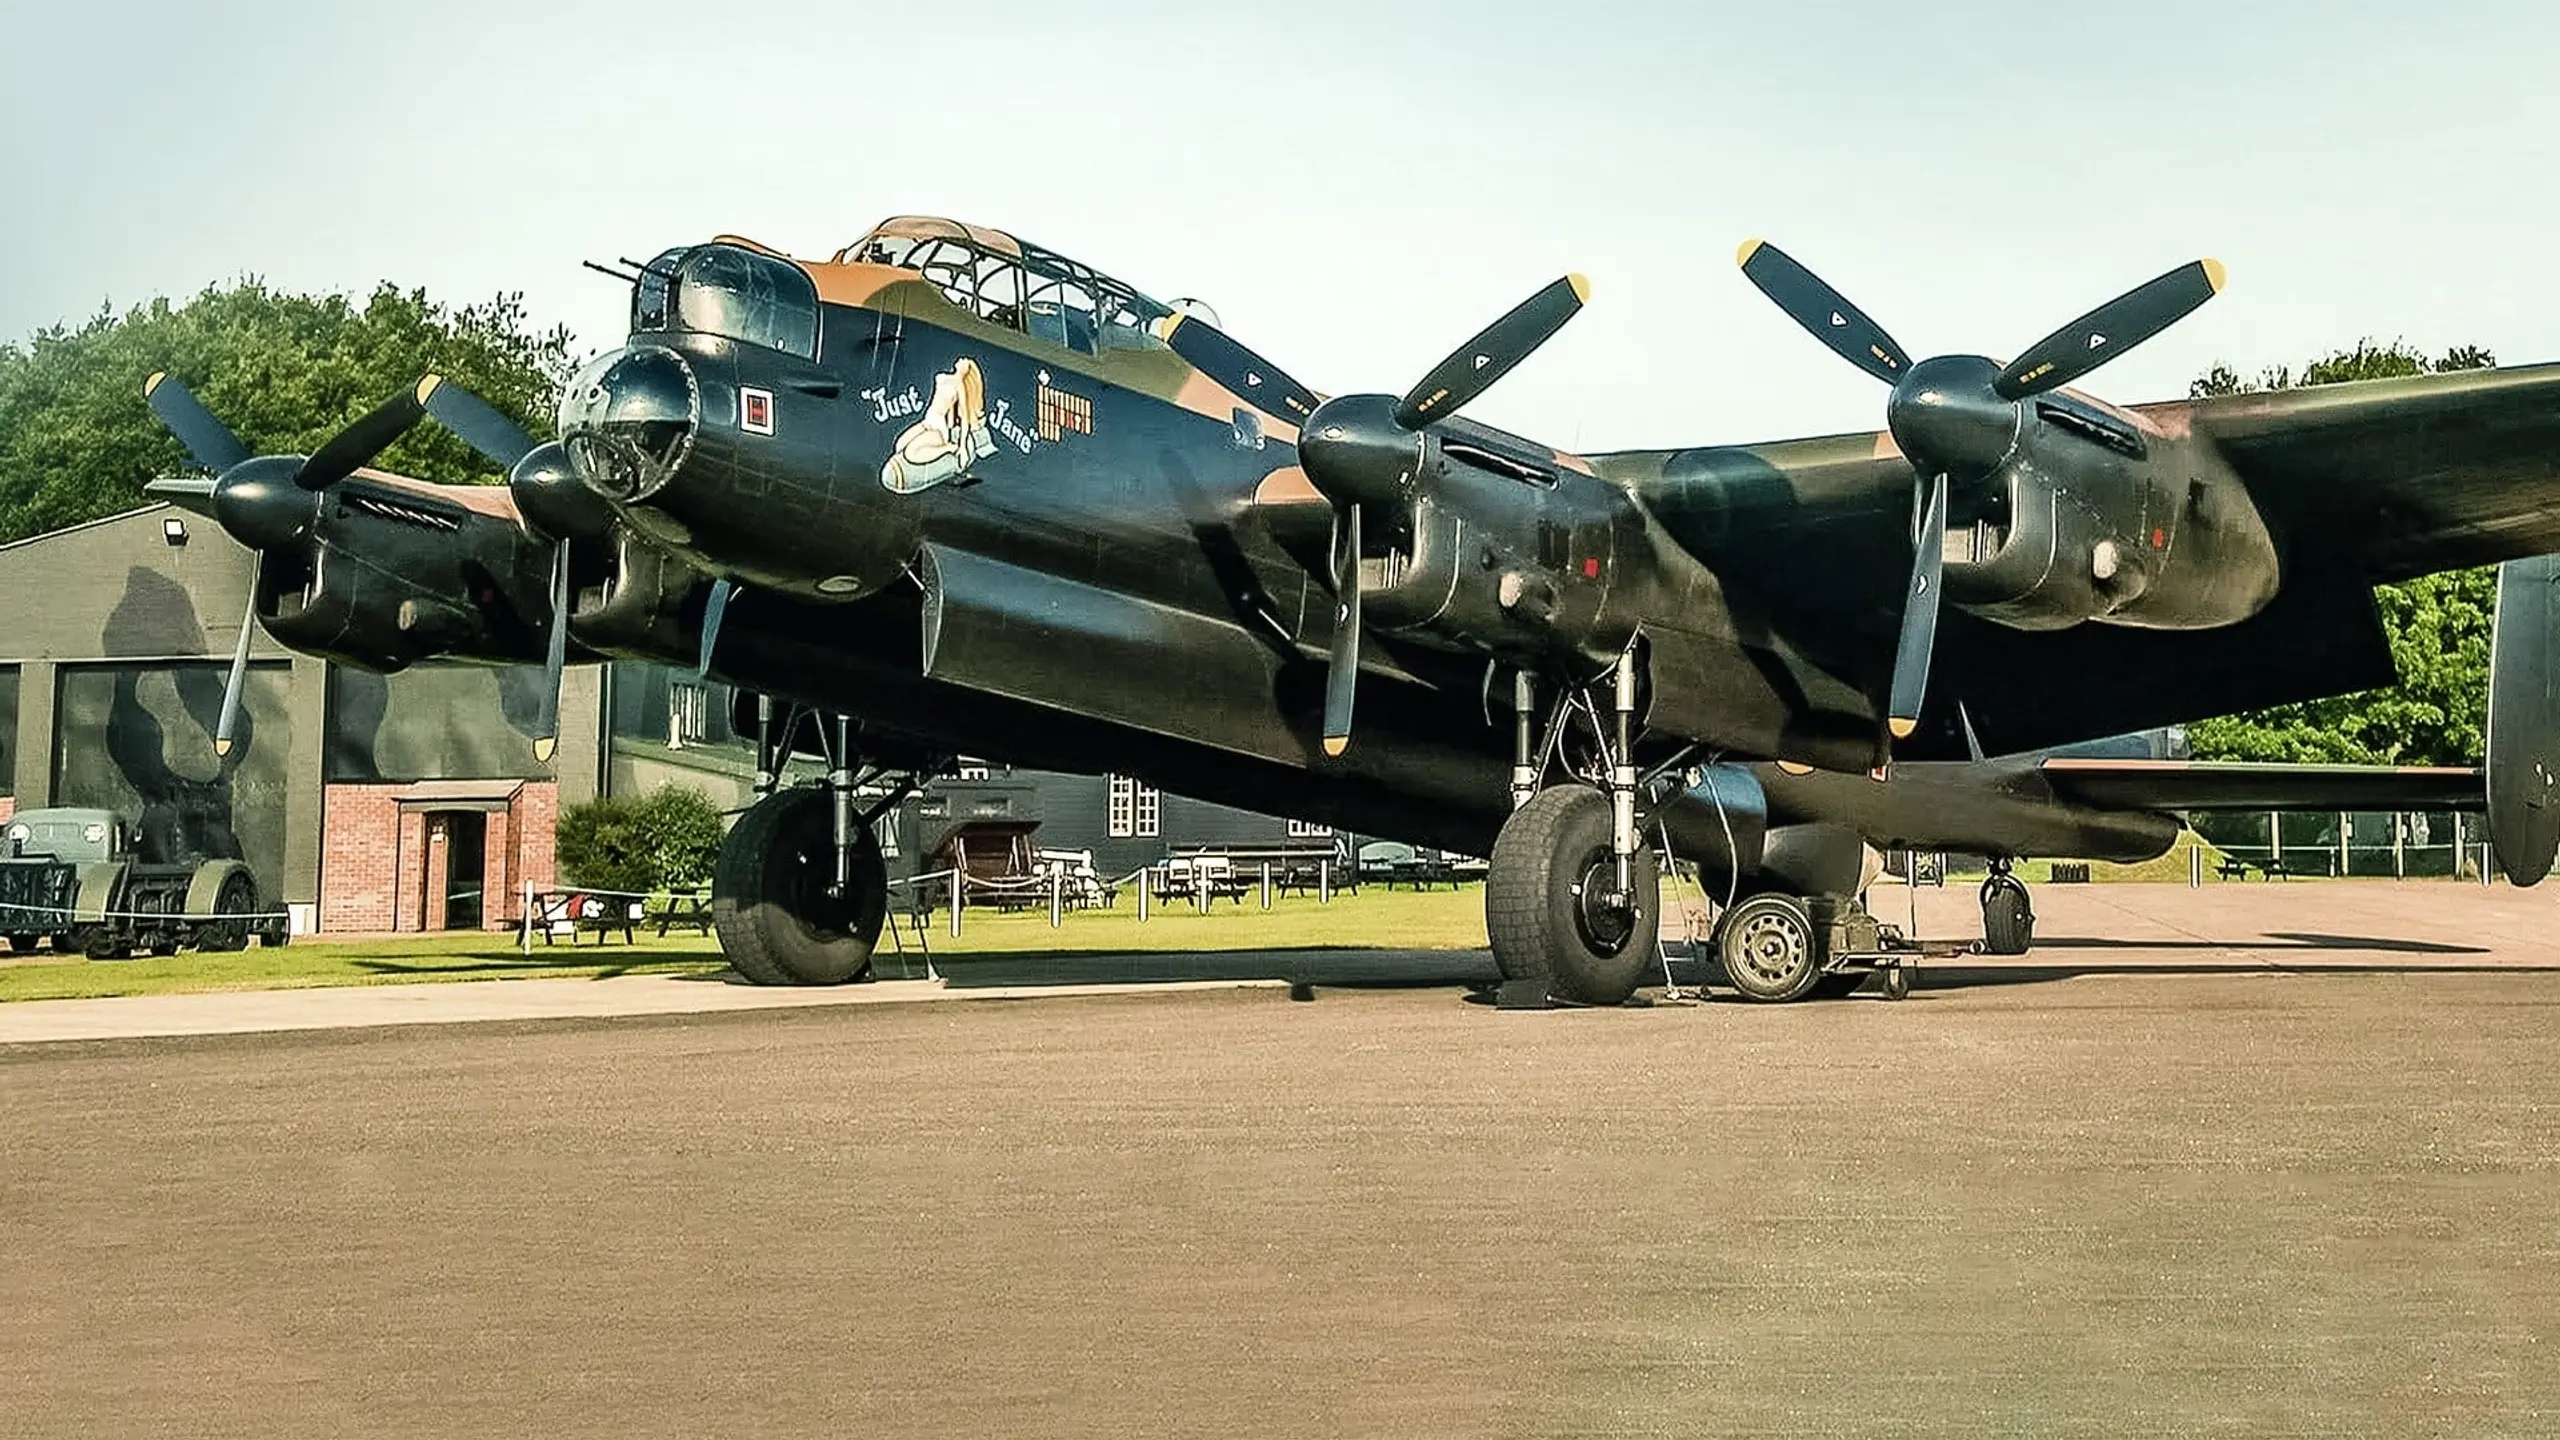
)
(576, 912)
(693, 910)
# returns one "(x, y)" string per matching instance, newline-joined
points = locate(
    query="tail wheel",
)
(2008, 919)
(239, 896)
(773, 896)
(1551, 901)
(1768, 948)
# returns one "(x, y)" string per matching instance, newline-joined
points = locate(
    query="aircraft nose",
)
(629, 419)
(1946, 416)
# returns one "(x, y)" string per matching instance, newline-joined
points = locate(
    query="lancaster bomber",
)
(950, 492)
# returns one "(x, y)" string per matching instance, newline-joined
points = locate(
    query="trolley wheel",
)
(1897, 981)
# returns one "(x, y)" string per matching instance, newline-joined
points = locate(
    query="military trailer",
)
(73, 877)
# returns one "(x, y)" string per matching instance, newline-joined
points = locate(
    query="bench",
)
(2234, 867)
(574, 912)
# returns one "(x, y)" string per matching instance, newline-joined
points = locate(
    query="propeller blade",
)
(2110, 330)
(370, 435)
(1825, 313)
(1919, 616)
(230, 722)
(477, 421)
(1472, 368)
(1258, 382)
(209, 442)
(716, 609)
(546, 736)
(1342, 674)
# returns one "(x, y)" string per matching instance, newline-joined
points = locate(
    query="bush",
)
(667, 839)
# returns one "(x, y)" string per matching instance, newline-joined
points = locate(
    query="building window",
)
(1134, 810)
(688, 715)
(1309, 830)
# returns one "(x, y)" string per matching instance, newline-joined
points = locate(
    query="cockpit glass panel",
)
(650, 293)
(754, 299)
(1018, 287)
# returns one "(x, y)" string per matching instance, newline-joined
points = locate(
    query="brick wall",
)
(359, 857)
(374, 871)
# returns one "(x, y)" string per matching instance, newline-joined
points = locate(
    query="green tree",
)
(284, 371)
(668, 839)
(2438, 626)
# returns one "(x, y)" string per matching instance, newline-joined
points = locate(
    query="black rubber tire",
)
(1549, 854)
(777, 924)
(239, 896)
(2008, 918)
(1768, 948)
(23, 944)
(1897, 981)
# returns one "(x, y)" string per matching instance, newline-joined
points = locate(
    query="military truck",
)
(72, 877)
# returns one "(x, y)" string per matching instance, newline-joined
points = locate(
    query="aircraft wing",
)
(2235, 785)
(2412, 476)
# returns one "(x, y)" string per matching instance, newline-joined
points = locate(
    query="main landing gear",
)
(801, 892)
(1573, 894)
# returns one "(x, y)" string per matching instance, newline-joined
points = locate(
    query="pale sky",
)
(1355, 187)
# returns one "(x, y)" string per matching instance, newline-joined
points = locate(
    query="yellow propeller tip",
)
(1749, 248)
(1794, 767)
(1901, 727)
(428, 386)
(1581, 287)
(153, 383)
(543, 747)
(2215, 275)
(221, 747)
(1334, 745)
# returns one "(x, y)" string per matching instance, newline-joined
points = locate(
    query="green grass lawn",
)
(1372, 919)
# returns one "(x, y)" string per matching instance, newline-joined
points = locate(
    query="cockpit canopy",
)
(1015, 284)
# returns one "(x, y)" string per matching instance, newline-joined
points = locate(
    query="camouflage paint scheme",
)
(974, 539)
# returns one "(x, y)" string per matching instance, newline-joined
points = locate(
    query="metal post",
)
(1324, 881)
(1200, 886)
(527, 913)
(1146, 882)
(2400, 846)
(2342, 845)
(1622, 778)
(959, 896)
(2485, 881)
(2195, 866)
(1057, 898)
(1524, 774)
(2275, 835)
(1266, 884)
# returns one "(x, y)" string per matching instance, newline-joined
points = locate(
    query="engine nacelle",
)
(2096, 517)
(392, 575)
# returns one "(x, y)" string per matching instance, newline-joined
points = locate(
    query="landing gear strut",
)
(2008, 919)
(1573, 896)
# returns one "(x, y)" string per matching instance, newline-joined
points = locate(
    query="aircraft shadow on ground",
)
(1309, 966)
(2285, 939)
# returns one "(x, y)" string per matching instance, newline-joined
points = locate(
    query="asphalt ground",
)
(2263, 1159)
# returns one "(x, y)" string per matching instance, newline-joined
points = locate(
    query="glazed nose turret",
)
(629, 420)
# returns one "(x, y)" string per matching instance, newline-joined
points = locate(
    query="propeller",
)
(1957, 415)
(264, 501)
(553, 506)
(1363, 450)
(1342, 672)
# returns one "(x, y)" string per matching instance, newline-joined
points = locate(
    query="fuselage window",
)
(1060, 311)
(754, 299)
(650, 293)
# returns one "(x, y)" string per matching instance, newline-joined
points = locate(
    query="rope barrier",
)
(72, 915)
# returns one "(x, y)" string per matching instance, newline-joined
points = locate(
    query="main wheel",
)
(1768, 948)
(239, 896)
(2008, 920)
(769, 895)
(1550, 901)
